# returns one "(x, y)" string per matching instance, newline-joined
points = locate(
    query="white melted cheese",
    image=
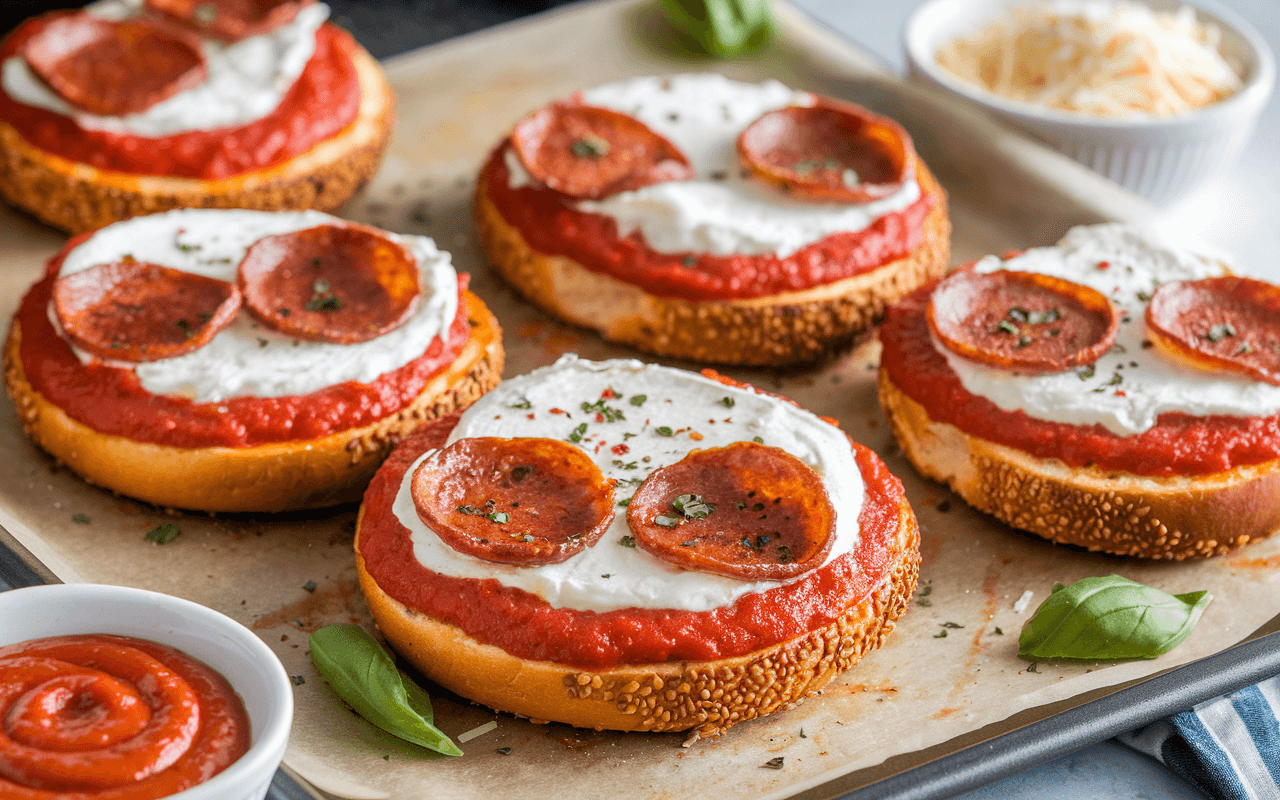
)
(245, 358)
(246, 80)
(607, 575)
(1131, 385)
(719, 211)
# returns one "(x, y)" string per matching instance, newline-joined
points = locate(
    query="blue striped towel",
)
(1227, 747)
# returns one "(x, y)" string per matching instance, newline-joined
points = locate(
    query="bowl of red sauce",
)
(108, 691)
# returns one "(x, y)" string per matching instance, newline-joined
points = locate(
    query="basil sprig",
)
(363, 675)
(1109, 618)
(721, 27)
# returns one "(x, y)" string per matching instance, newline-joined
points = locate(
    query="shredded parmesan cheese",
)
(480, 731)
(1022, 602)
(1106, 59)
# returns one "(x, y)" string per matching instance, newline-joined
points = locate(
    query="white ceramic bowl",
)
(1160, 158)
(217, 640)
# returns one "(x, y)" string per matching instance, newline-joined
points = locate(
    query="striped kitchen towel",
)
(1227, 747)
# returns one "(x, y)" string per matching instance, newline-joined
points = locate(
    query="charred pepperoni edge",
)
(1178, 444)
(889, 142)
(322, 102)
(526, 626)
(634, 155)
(552, 227)
(553, 500)
(730, 541)
(139, 81)
(170, 322)
(1213, 304)
(968, 327)
(342, 284)
(84, 391)
(224, 25)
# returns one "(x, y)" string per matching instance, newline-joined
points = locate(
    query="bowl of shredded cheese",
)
(1158, 96)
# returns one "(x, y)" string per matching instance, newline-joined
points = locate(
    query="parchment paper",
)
(921, 689)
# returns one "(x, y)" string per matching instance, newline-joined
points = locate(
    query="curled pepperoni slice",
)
(230, 20)
(1229, 324)
(1022, 320)
(135, 311)
(514, 501)
(746, 511)
(589, 152)
(828, 151)
(333, 283)
(112, 68)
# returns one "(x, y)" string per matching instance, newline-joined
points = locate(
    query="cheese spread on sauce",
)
(720, 211)
(1134, 383)
(246, 358)
(666, 413)
(247, 80)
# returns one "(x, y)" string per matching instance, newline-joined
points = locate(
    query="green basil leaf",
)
(364, 675)
(721, 27)
(1109, 618)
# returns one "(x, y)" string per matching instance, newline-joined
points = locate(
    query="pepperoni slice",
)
(513, 501)
(1022, 321)
(829, 151)
(136, 311)
(333, 283)
(1229, 324)
(588, 152)
(746, 511)
(113, 68)
(230, 20)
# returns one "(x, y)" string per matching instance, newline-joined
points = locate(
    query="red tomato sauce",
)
(1178, 444)
(110, 399)
(112, 718)
(552, 227)
(526, 626)
(322, 101)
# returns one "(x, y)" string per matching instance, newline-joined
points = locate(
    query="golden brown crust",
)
(777, 329)
(77, 197)
(1113, 512)
(706, 696)
(271, 477)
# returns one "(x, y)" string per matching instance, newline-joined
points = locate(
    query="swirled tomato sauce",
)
(526, 626)
(552, 227)
(110, 399)
(105, 717)
(322, 101)
(1178, 444)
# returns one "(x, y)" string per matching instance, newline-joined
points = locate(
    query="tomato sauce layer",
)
(526, 626)
(552, 227)
(322, 101)
(111, 400)
(1178, 444)
(105, 717)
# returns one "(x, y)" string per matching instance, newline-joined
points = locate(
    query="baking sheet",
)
(908, 702)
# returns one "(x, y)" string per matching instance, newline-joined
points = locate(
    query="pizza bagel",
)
(631, 547)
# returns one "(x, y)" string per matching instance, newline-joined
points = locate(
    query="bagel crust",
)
(77, 197)
(782, 328)
(269, 477)
(1109, 511)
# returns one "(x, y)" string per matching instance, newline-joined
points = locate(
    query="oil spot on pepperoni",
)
(230, 20)
(137, 311)
(1228, 324)
(524, 501)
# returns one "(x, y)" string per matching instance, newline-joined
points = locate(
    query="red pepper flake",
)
(1120, 393)
(1104, 265)
(599, 417)
(694, 435)
(620, 449)
(609, 394)
(558, 411)
(530, 415)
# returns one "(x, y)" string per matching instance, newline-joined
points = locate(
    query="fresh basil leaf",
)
(721, 27)
(1109, 618)
(363, 675)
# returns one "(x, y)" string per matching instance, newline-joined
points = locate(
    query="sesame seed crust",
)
(77, 197)
(1109, 511)
(784, 328)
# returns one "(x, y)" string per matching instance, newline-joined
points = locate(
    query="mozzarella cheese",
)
(1133, 384)
(720, 211)
(666, 414)
(245, 358)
